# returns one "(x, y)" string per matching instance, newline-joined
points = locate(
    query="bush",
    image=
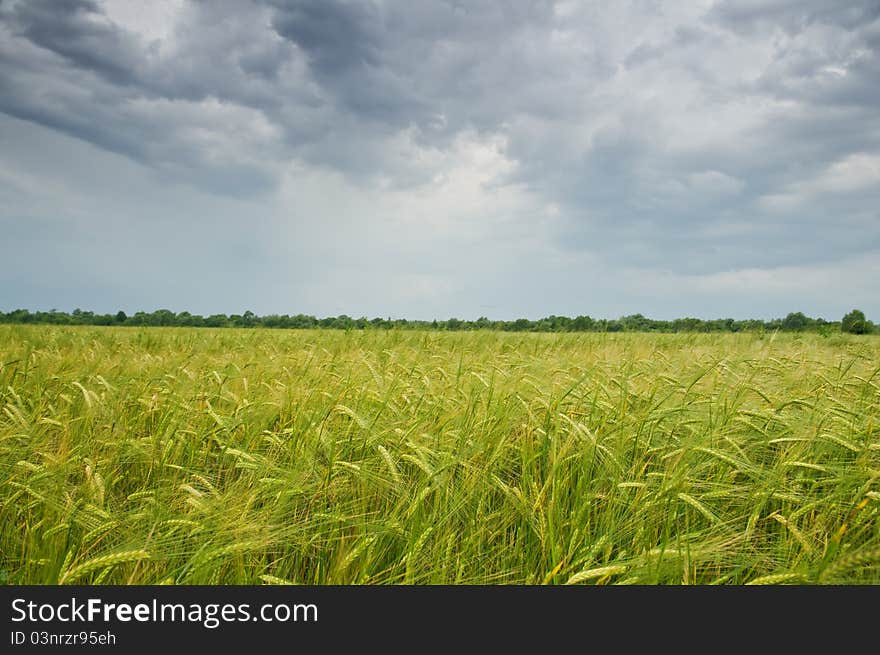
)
(855, 323)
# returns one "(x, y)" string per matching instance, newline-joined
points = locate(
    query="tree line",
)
(853, 322)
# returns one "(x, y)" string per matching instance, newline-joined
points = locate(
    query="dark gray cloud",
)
(69, 67)
(691, 141)
(338, 37)
(794, 15)
(72, 30)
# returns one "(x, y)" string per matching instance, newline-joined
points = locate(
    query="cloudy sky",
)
(442, 157)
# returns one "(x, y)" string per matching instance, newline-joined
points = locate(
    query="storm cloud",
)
(441, 158)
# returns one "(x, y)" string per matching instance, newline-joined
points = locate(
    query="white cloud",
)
(154, 20)
(715, 183)
(853, 173)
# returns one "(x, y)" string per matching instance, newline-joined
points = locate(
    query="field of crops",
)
(195, 456)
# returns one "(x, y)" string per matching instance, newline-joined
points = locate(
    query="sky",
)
(441, 158)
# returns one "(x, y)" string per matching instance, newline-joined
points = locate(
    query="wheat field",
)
(200, 456)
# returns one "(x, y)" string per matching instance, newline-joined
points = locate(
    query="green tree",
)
(855, 323)
(795, 321)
